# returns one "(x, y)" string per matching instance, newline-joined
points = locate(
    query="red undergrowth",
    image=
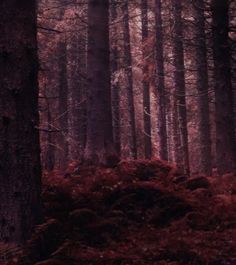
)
(140, 212)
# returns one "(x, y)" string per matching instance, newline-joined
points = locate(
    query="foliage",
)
(140, 212)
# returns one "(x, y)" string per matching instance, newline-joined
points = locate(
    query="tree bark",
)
(76, 54)
(179, 80)
(20, 172)
(63, 105)
(161, 82)
(115, 83)
(224, 103)
(202, 88)
(146, 85)
(49, 162)
(99, 145)
(129, 74)
(178, 157)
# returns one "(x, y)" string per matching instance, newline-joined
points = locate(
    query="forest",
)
(118, 132)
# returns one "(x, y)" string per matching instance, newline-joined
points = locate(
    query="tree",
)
(99, 144)
(224, 103)
(63, 105)
(179, 80)
(20, 174)
(202, 88)
(129, 73)
(76, 73)
(160, 81)
(115, 83)
(49, 159)
(146, 86)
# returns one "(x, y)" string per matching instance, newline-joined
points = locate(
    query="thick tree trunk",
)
(146, 85)
(179, 80)
(76, 54)
(115, 83)
(20, 173)
(224, 105)
(129, 74)
(99, 144)
(161, 83)
(202, 87)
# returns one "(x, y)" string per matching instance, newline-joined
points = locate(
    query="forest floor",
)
(142, 212)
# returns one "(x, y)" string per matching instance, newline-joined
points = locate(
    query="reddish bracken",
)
(139, 212)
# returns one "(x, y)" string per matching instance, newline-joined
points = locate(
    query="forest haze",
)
(170, 82)
(117, 126)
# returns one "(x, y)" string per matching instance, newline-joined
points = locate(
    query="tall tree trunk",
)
(146, 85)
(178, 157)
(224, 105)
(50, 149)
(20, 173)
(115, 83)
(76, 55)
(179, 80)
(161, 82)
(202, 87)
(99, 144)
(63, 106)
(129, 74)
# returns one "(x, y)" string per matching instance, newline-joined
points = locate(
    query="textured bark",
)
(20, 173)
(50, 149)
(176, 136)
(224, 105)
(76, 54)
(63, 106)
(99, 144)
(115, 83)
(129, 74)
(179, 80)
(161, 82)
(146, 85)
(202, 87)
